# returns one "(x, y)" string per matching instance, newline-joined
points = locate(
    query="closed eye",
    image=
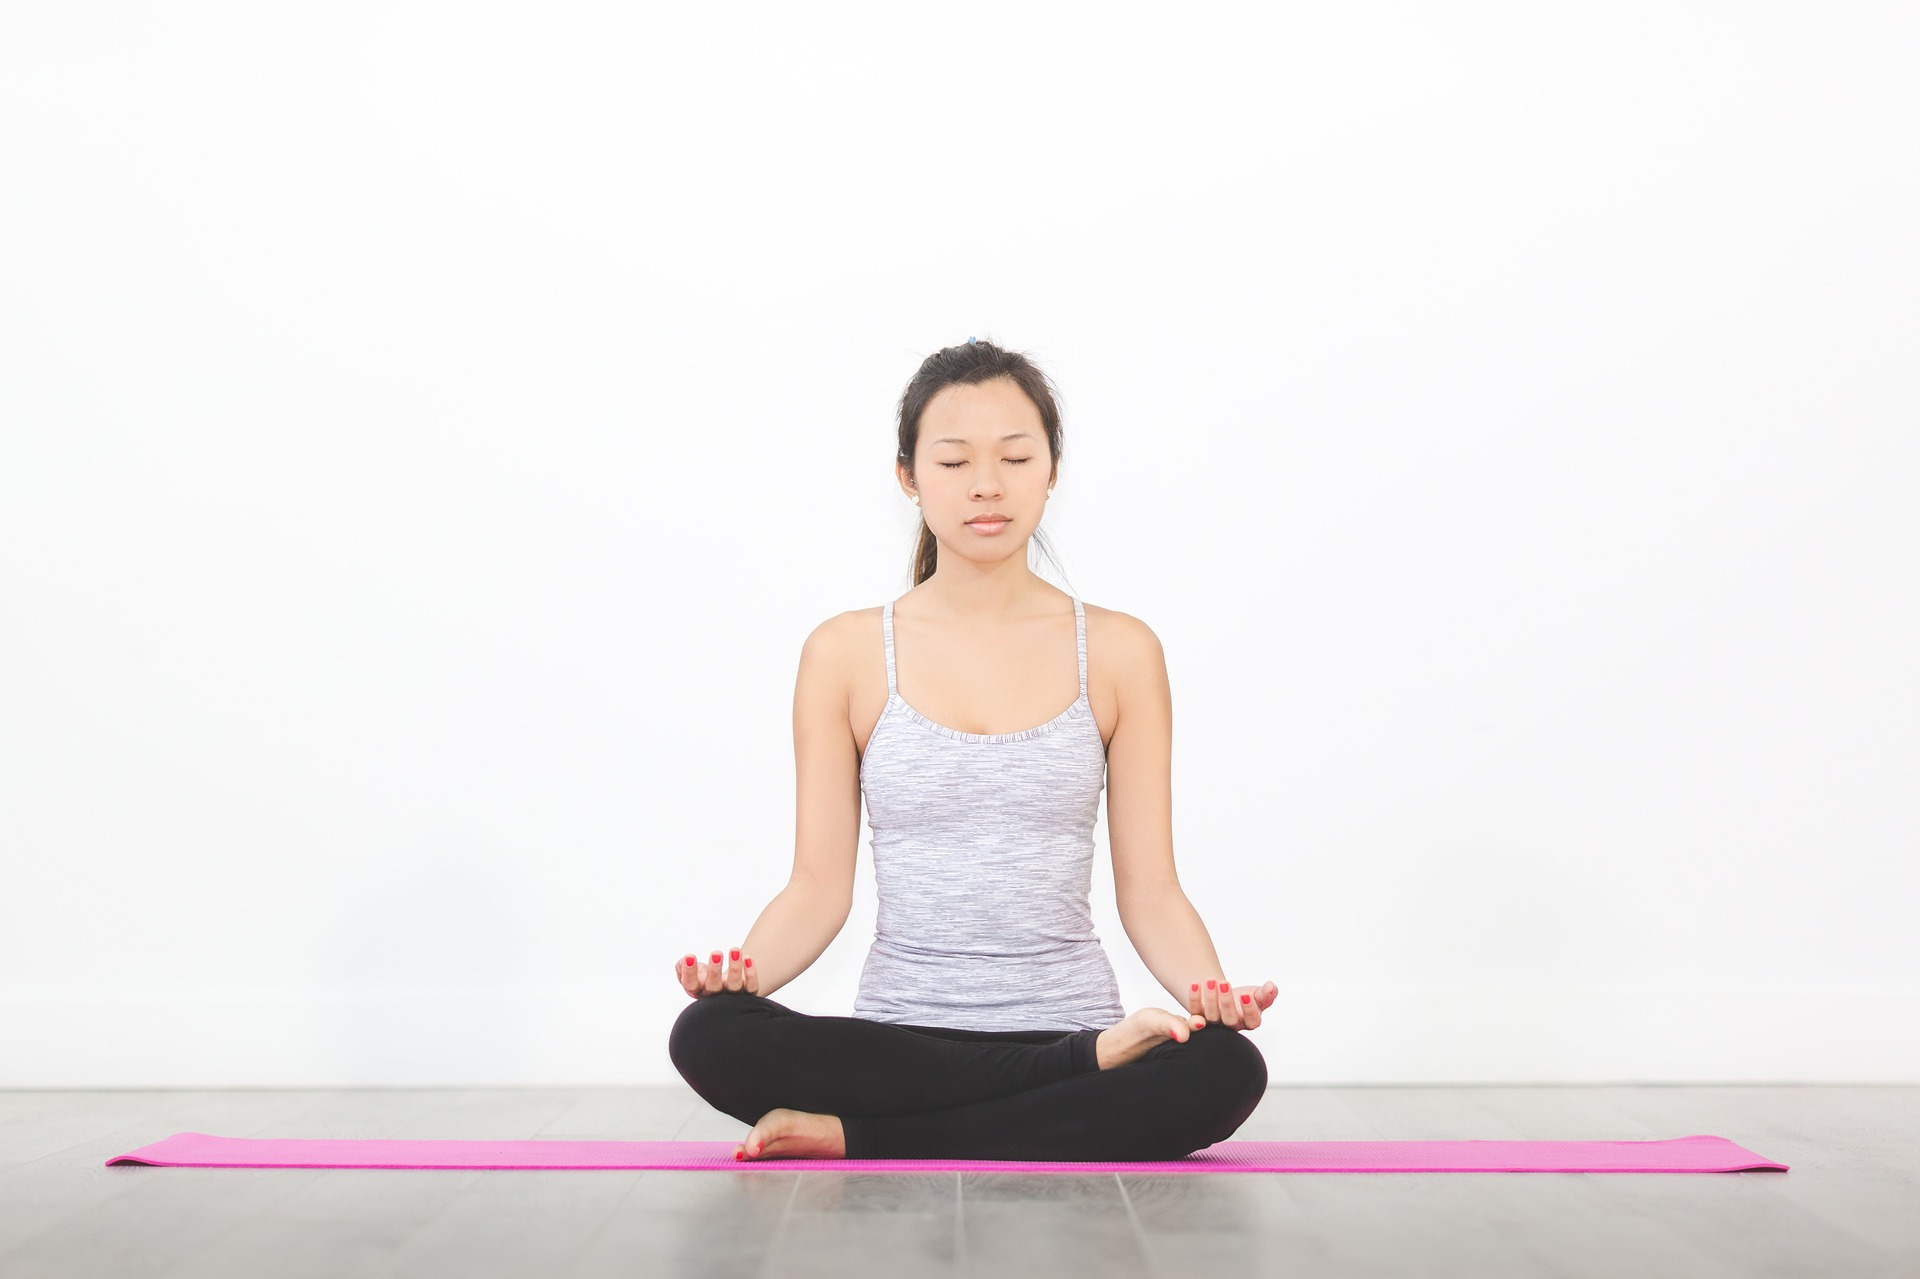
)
(1011, 459)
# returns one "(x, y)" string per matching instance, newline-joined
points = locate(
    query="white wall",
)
(429, 434)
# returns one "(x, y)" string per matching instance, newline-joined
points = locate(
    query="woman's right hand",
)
(711, 978)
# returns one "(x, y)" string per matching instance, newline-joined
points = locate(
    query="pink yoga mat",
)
(1678, 1154)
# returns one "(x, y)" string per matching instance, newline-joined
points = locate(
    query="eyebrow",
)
(1017, 435)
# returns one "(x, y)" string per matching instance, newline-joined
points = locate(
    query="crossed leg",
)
(935, 1091)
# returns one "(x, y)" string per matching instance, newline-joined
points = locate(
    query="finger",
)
(1198, 1013)
(733, 981)
(1210, 1000)
(712, 982)
(1229, 1005)
(1265, 996)
(752, 976)
(1249, 1011)
(687, 969)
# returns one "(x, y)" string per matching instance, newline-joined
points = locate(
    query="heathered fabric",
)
(983, 859)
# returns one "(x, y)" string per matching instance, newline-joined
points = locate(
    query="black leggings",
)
(930, 1092)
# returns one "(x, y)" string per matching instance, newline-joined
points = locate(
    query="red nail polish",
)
(735, 954)
(1196, 985)
(749, 963)
(1246, 999)
(716, 958)
(689, 961)
(1209, 983)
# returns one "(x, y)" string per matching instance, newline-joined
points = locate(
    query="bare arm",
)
(801, 921)
(1174, 944)
(1160, 921)
(795, 929)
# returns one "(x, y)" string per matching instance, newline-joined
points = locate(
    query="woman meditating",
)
(988, 1023)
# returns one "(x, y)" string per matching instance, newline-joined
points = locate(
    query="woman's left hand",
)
(1238, 1006)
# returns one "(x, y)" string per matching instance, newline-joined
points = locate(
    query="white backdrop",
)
(430, 432)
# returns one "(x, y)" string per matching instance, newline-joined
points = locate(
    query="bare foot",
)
(1129, 1040)
(794, 1134)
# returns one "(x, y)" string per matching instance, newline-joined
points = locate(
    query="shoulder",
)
(833, 657)
(847, 645)
(842, 637)
(1127, 645)
(1124, 636)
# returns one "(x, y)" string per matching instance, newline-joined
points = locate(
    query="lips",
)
(989, 519)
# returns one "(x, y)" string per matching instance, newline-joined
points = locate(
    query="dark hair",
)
(971, 362)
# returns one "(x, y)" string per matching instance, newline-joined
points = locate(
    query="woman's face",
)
(982, 451)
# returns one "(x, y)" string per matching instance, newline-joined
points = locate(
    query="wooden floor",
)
(1848, 1207)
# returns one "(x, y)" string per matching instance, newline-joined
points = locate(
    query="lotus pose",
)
(988, 1023)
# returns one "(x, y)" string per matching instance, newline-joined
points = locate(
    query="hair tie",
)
(969, 341)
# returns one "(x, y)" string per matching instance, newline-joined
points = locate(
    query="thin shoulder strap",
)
(1080, 638)
(886, 623)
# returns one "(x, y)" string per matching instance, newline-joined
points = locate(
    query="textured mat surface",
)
(1677, 1154)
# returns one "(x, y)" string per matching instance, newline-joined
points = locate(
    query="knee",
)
(1236, 1067)
(1227, 1082)
(712, 1047)
(696, 1031)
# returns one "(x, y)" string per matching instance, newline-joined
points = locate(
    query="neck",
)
(989, 593)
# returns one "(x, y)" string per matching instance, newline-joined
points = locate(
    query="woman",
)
(988, 1023)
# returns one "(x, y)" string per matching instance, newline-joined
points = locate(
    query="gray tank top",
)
(983, 860)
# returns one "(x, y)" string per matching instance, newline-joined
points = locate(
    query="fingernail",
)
(1246, 999)
(716, 957)
(1209, 983)
(749, 963)
(735, 954)
(1196, 985)
(689, 961)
